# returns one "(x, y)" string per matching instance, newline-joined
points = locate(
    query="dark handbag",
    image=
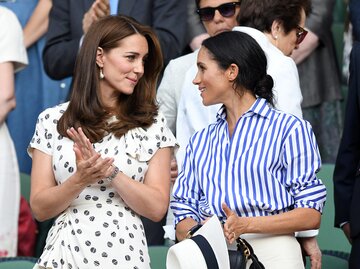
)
(244, 253)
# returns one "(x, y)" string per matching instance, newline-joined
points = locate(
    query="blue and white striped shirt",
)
(268, 166)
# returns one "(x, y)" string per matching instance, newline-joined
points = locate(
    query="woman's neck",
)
(236, 107)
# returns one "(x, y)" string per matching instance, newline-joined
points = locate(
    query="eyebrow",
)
(132, 52)
(136, 53)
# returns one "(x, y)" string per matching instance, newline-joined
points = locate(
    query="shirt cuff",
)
(307, 233)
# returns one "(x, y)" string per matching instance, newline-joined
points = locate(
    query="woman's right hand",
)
(91, 167)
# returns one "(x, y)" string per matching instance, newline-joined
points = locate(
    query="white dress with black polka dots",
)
(98, 230)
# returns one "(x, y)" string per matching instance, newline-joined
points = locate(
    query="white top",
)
(12, 49)
(287, 92)
(11, 42)
(169, 91)
(98, 229)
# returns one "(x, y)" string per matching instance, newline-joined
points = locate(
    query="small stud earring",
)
(101, 74)
(276, 37)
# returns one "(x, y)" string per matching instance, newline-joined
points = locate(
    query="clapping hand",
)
(91, 167)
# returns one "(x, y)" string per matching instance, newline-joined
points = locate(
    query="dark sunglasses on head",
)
(300, 34)
(226, 10)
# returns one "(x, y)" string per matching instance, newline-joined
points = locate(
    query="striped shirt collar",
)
(260, 107)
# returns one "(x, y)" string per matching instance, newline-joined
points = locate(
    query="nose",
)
(196, 80)
(217, 16)
(139, 67)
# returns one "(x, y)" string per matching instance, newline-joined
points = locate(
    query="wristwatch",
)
(114, 173)
(190, 233)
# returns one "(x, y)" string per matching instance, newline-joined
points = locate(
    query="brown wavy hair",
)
(86, 109)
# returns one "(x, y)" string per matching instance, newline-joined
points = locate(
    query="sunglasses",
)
(300, 34)
(226, 10)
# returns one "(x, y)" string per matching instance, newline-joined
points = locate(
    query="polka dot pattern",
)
(98, 230)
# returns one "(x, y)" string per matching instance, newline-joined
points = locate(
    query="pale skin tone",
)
(38, 23)
(216, 86)
(123, 67)
(219, 23)
(309, 44)
(213, 27)
(99, 9)
(286, 42)
(7, 93)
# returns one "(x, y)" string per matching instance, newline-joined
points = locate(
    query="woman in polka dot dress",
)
(103, 159)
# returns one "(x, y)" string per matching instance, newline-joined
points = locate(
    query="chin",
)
(205, 103)
(128, 91)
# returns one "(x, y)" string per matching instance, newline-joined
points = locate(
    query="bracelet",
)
(190, 233)
(114, 173)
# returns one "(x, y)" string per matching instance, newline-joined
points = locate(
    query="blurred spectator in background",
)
(12, 58)
(34, 90)
(347, 168)
(69, 21)
(196, 32)
(354, 10)
(319, 76)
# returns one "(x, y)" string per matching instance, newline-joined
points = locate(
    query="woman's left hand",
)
(234, 225)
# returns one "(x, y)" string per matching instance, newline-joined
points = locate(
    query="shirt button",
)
(62, 85)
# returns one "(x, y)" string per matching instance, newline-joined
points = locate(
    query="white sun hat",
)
(206, 249)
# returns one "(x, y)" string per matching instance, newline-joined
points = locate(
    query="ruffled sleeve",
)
(142, 144)
(46, 130)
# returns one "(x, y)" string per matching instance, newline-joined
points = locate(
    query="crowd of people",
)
(132, 115)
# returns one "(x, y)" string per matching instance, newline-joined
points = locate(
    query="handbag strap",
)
(243, 245)
(207, 251)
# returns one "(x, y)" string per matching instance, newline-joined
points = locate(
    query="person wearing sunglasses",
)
(217, 16)
(192, 115)
(278, 26)
(220, 16)
(320, 79)
(226, 10)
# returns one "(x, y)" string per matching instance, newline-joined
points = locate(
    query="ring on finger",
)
(233, 233)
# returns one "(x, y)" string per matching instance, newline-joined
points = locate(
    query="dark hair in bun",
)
(239, 48)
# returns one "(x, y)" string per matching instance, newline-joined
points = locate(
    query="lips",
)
(133, 80)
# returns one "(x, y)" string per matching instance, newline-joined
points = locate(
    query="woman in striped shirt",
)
(255, 167)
